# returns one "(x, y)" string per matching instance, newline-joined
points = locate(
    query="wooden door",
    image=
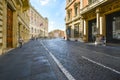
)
(9, 28)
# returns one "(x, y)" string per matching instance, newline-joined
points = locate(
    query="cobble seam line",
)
(100, 64)
(102, 53)
(66, 73)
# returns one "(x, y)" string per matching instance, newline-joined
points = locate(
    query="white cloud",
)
(45, 2)
(51, 25)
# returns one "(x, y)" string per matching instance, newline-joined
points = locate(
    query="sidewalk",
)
(108, 45)
(30, 62)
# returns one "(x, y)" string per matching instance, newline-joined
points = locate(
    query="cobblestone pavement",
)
(31, 62)
(86, 62)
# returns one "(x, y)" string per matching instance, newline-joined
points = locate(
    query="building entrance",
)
(113, 28)
(92, 30)
(9, 28)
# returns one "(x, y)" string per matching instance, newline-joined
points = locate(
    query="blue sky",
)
(54, 10)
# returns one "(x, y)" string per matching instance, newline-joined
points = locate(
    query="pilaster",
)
(98, 21)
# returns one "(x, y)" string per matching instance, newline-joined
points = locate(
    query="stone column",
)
(72, 31)
(98, 21)
(101, 25)
(84, 28)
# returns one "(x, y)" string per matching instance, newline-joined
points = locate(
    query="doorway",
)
(9, 27)
(92, 30)
(113, 27)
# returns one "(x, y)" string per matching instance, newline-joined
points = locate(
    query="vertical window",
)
(69, 15)
(76, 10)
(76, 30)
(116, 27)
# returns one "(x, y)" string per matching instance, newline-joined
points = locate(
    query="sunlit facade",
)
(38, 24)
(73, 27)
(100, 18)
(13, 23)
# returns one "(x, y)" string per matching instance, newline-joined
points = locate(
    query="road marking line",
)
(101, 65)
(66, 73)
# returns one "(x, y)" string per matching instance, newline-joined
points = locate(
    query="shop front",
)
(113, 27)
(92, 30)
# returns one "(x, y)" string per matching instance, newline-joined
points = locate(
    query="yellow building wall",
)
(3, 15)
(105, 9)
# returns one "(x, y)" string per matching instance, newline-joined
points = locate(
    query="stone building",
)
(100, 18)
(13, 23)
(57, 34)
(73, 27)
(38, 24)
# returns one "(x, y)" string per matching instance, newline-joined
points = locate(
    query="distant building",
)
(56, 34)
(38, 24)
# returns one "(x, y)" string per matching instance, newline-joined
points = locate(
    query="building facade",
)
(73, 27)
(57, 34)
(38, 24)
(100, 18)
(13, 23)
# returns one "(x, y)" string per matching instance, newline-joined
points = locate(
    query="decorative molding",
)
(12, 4)
(111, 7)
(92, 6)
(69, 4)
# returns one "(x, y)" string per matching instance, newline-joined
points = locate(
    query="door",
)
(92, 30)
(113, 27)
(9, 28)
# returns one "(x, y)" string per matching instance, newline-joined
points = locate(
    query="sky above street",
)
(54, 10)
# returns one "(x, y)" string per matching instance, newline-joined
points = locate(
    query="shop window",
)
(94, 30)
(68, 31)
(76, 30)
(116, 27)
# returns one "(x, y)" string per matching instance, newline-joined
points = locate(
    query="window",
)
(116, 27)
(76, 30)
(76, 10)
(68, 31)
(69, 0)
(69, 15)
(91, 1)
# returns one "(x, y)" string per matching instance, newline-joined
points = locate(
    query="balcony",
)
(92, 5)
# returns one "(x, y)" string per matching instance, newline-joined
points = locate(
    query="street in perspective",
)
(58, 59)
(59, 39)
